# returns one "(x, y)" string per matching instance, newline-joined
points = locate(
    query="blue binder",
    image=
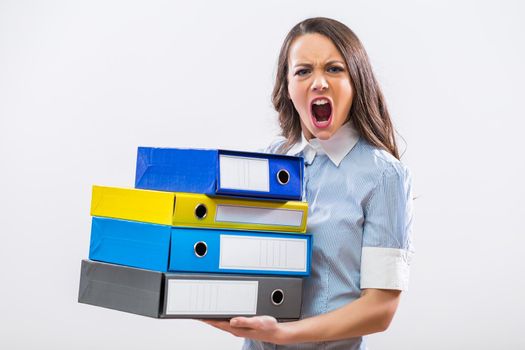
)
(130, 243)
(220, 172)
(165, 248)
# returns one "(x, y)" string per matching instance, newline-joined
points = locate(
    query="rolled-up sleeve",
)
(387, 232)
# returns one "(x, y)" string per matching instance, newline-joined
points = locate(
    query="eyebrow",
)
(301, 64)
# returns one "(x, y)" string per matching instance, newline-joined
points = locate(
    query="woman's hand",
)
(263, 328)
(370, 313)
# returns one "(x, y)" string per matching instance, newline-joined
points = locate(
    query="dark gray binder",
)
(199, 296)
(120, 288)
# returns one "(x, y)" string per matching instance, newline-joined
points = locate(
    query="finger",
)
(224, 325)
(248, 333)
(246, 322)
(257, 323)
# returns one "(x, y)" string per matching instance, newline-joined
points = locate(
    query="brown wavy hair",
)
(368, 113)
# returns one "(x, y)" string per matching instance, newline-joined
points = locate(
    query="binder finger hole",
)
(200, 249)
(201, 211)
(277, 297)
(283, 177)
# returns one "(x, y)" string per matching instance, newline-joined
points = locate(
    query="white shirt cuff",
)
(385, 268)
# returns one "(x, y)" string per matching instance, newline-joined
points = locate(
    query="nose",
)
(319, 83)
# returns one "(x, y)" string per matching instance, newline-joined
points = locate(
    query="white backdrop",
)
(82, 84)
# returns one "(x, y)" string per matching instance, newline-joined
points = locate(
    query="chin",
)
(323, 135)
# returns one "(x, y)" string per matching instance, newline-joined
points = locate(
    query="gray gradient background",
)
(82, 84)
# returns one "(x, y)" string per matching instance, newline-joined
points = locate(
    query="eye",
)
(302, 72)
(335, 69)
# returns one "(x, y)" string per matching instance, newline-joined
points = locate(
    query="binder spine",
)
(261, 175)
(224, 296)
(239, 252)
(193, 210)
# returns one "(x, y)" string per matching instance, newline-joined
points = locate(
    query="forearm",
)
(370, 313)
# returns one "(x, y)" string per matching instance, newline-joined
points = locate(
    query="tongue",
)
(322, 112)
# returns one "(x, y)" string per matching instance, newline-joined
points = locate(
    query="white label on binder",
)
(211, 297)
(263, 253)
(242, 173)
(257, 215)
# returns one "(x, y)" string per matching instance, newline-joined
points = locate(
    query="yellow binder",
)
(198, 210)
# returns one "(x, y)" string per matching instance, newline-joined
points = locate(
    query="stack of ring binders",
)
(204, 234)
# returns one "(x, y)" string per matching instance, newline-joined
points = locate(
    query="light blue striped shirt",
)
(360, 213)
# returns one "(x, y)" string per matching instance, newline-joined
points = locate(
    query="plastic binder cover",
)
(220, 172)
(170, 295)
(165, 248)
(120, 288)
(198, 210)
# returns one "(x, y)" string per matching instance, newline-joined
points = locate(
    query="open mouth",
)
(321, 112)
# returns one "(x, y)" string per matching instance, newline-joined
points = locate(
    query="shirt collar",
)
(336, 147)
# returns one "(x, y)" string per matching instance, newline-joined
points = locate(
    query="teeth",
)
(320, 102)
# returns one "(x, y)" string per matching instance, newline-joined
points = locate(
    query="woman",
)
(332, 112)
